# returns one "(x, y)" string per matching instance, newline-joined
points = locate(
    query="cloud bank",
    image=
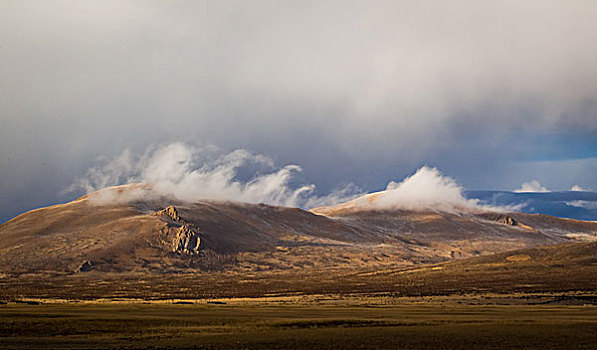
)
(591, 205)
(192, 173)
(532, 186)
(426, 189)
(577, 188)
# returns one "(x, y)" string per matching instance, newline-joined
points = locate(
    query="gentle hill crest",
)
(131, 229)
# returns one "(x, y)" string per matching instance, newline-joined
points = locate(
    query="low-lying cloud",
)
(577, 188)
(426, 189)
(532, 186)
(591, 205)
(192, 173)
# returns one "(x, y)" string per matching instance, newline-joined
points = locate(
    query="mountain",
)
(120, 229)
(570, 204)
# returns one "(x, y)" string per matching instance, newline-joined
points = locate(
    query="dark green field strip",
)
(296, 326)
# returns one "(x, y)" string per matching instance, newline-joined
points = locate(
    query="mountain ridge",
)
(580, 205)
(157, 234)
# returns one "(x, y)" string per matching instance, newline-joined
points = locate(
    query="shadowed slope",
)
(131, 229)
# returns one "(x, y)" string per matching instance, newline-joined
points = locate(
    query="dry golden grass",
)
(323, 322)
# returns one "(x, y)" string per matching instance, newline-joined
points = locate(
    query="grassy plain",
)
(313, 322)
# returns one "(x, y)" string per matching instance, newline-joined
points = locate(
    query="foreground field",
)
(558, 268)
(323, 323)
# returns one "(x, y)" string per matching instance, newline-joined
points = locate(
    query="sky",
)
(495, 94)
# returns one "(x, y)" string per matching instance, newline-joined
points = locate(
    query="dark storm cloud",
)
(362, 92)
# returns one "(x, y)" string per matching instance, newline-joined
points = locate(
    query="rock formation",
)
(501, 218)
(170, 213)
(186, 240)
(182, 237)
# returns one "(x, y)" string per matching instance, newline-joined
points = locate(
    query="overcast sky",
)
(492, 93)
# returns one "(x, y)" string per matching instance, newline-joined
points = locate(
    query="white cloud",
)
(427, 188)
(591, 205)
(578, 188)
(191, 173)
(532, 186)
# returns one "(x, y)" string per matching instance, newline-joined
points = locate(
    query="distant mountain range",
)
(569, 204)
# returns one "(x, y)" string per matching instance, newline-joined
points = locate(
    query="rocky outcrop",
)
(507, 220)
(501, 218)
(182, 237)
(86, 266)
(186, 241)
(78, 267)
(170, 213)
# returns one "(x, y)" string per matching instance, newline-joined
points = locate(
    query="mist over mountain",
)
(190, 172)
(139, 228)
(494, 95)
(568, 204)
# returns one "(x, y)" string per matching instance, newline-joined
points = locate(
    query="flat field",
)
(319, 322)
